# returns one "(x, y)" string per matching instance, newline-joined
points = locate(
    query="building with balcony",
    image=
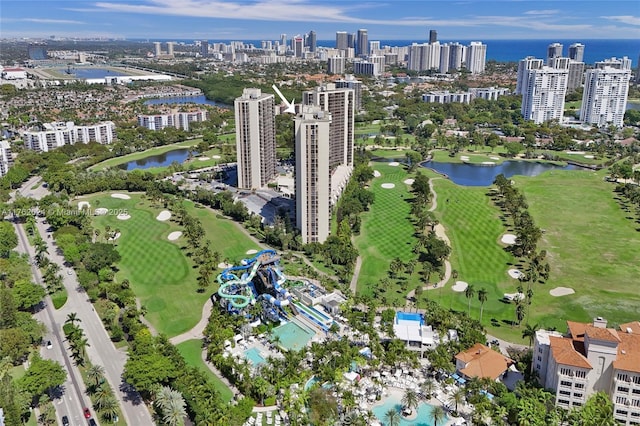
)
(606, 88)
(179, 120)
(57, 134)
(590, 358)
(6, 160)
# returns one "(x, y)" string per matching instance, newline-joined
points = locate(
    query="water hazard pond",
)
(158, 160)
(483, 175)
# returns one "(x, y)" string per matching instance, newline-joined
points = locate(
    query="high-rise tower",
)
(255, 138)
(157, 50)
(543, 93)
(313, 177)
(606, 88)
(554, 50)
(576, 52)
(433, 36)
(363, 43)
(341, 40)
(476, 57)
(526, 64)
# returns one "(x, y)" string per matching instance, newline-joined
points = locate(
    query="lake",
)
(479, 175)
(201, 100)
(159, 160)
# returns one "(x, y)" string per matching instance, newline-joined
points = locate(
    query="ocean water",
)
(514, 50)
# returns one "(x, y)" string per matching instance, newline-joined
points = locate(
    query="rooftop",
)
(482, 361)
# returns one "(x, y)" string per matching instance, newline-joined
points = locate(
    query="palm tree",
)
(437, 415)
(427, 388)
(392, 418)
(72, 318)
(410, 399)
(482, 297)
(530, 332)
(102, 394)
(110, 408)
(175, 413)
(458, 397)
(95, 374)
(468, 293)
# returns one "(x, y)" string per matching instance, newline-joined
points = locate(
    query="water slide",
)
(238, 300)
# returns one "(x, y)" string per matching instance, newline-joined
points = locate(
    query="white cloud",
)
(625, 19)
(45, 21)
(542, 12)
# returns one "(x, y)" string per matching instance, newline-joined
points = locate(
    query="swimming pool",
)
(409, 316)
(254, 356)
(293, 336)
(422, 418)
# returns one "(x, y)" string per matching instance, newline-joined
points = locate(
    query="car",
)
(92, 422)
(87, 413)
(65, 421)
(49, 344)
(69, 272)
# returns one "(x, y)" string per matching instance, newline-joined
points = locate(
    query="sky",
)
(267, 19)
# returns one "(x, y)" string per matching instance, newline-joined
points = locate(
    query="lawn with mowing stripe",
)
(160, 273)
(191, 351)
(386, 231)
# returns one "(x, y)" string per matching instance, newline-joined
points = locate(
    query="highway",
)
(101, 350)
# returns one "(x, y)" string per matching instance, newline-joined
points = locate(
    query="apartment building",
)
(543, 93)
(255, 138)
(606, 87)
(589, 358)
(6, 160)
(57, 134)
(179, 120)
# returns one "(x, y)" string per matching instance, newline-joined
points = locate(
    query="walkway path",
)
(197, 331)
(440, 233)
(354, 279)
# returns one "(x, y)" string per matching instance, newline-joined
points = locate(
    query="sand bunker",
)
(514, 296)
(203, 158)
(488, 163)
(394, 164)
(376, 173)
(590, 157)
(561, 291)
(216, 157)
(460, 286)
(101, 211)
(252, 251)
(164, 215)
(114, 236)
(121, 196)
(223, 265)
(388, 185)
(409, 181)
(494, 158)
(123, 216)
(464, 158)
(83, 204)
(508, 239)
(514, 273)
(174, 235)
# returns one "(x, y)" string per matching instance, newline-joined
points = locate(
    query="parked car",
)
(87, 413)
(65, 421)
(92, 422)
(49, 344)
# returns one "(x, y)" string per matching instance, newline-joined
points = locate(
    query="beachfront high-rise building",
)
(313, 177)
(204, 48)
(433, 36)
(157, 50)
(424, 57)
(362, 48)
(526, 64)
(255, 138)
(283, 41)
(606, 88)
(335, 65)
(543, 92)
(341, 40)
(576, 52)
(351, 40)
(476, 57)
(170, 48)
(6, 160)
(339, 102)
(554, 50)
(312, 41)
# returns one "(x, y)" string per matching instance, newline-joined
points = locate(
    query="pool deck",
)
(261, 345)
(397, 393)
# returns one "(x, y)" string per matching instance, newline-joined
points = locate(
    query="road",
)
(71, 400)
(101, 350)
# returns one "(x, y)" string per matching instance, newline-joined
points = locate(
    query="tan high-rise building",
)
(313, 177)
(255, 138)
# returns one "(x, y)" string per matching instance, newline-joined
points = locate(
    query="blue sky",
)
(267, 19)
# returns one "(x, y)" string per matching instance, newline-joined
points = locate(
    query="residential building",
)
(590, 358)
(341, 40)
(606, 87)
(488, 93)
(362, 49)
(157, 50)
(335, 65)
(204, 48)
(482, 362)
(576, 73)
(576, 52)
(543, 93)
(424, 57)
(365, 68)
(350, 82)
(6, 160)
(255, 138)
(476, 57)
(313, 178)
(312, 42)
(554, 50)
(374, 47)
(57, 134)
(298, 46)
(179, 120)
(433, 36)
(526, 64)
(446, 97)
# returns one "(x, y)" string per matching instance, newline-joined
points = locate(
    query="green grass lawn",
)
(191, 351)
(386, 231)
(592, 247)
(161, 274)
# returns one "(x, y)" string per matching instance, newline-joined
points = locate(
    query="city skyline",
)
(219, 19)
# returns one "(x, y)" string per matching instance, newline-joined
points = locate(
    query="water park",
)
(259, 281)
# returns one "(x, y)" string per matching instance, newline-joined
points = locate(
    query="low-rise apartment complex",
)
(179, 120)
(55, 135)
(591, 358)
